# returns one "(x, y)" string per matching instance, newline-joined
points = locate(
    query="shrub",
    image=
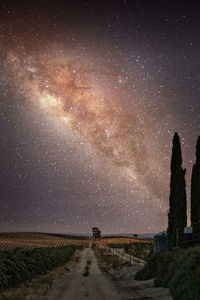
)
(20, 265)
(150, 268)
(178, 269)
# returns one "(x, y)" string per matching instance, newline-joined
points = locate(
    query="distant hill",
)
(139, 235)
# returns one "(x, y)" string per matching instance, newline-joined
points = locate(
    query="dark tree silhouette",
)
(195, 195)
(177, 216)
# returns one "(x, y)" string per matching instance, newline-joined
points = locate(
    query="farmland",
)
(104, 241)
(37, 240)
(21, 265)
(10, 240)
(30, 263)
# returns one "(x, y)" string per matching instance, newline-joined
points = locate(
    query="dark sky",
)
(91, 93)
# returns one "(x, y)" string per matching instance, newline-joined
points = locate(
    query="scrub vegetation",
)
(18, 266)
(178, 270)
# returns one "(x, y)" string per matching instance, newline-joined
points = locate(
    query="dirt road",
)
(99, 286)
(75, 286)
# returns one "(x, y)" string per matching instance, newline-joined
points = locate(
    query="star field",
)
(91, 95)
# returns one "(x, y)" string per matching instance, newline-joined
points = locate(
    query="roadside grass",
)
(86, 272)
(87, 268)
(107, 261)
(139, 250)
(178, 270)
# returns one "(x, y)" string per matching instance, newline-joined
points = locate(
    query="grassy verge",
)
(87, 268)
(19, 266)
(179, 270)
(107, 261)
(139, 250)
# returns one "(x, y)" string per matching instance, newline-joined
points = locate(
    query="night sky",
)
(91, 93)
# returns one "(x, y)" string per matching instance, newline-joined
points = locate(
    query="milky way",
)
(100, 119)
(65, 90)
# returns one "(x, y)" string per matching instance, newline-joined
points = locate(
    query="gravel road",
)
(75, 286)
(99, 286)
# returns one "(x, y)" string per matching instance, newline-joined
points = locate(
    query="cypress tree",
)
(195, 195)
(177, 217)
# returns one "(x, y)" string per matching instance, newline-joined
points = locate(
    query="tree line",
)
(177, 215)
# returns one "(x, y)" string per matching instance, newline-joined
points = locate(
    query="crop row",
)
(20, 265)
(121, 240)
(36, 240)
(9, 244)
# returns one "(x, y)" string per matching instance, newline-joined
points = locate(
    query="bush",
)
(185, 283)
(20, 265)
(150, 268)
(179, 270)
